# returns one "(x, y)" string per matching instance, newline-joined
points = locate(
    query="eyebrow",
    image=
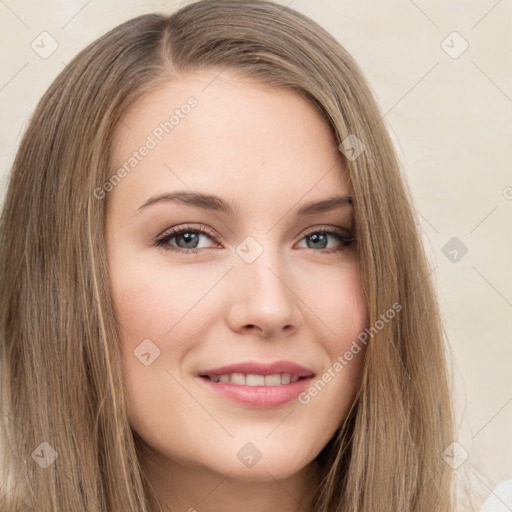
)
(217, 204)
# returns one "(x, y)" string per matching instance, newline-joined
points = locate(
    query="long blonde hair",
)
(61, 372)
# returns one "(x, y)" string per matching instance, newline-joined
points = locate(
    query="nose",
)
(264, 300)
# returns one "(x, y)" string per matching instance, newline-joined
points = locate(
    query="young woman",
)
(213, 291)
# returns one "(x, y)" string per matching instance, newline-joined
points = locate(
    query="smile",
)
(258, 385)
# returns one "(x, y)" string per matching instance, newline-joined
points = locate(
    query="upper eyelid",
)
(324, 227)
(177, 230)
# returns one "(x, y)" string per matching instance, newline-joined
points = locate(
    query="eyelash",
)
(163, 241)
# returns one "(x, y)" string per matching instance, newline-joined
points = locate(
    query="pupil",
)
(316, 238)
(189, 239)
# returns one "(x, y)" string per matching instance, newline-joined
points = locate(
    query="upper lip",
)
(252, 367)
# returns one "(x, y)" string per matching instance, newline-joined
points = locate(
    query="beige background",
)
(451, 119)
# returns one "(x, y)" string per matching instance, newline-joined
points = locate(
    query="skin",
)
(269, 152)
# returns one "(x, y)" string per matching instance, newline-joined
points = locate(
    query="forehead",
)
(227, 134)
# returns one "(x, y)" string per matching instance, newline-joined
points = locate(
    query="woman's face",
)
(239, 294)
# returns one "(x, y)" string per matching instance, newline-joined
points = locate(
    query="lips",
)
(258, 385)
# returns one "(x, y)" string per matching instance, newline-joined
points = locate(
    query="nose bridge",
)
(264, 292)
(262, 263)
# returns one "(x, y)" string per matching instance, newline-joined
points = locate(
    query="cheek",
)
(343, 313)
(157, 309)
(340, 306)
(157, 303)
(351, 318)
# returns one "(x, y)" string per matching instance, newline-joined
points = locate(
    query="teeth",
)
(286, 378)
(255, 380)
(252, 379)
(238, 378)
(273, 380)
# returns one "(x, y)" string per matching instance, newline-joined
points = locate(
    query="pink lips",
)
(259, 396)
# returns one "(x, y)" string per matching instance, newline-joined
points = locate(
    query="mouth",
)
(258, 385)
(254, 379)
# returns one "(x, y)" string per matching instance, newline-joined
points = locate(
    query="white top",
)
(500, 500)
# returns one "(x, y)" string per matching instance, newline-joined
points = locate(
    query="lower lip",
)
(262, 397)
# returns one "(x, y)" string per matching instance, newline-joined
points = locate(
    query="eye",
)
(185, 239)
(319, 239)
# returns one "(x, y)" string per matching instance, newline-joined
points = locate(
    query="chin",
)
(250, 462)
